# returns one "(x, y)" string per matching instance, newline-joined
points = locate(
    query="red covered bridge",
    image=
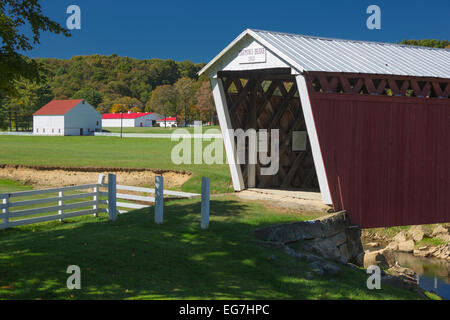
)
(376, 117)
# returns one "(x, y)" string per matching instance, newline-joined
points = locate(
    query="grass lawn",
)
(12, 186)
(109, 152)
(157, 129)
(133, 258)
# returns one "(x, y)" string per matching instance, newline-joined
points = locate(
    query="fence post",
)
(100, 182)
(60, 203)
(205, 203)
(159, 200)
(112, 209)
(6, 211)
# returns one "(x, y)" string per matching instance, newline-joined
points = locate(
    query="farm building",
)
(374, 117)
(129, 120)
(168, 122)
(67, 118)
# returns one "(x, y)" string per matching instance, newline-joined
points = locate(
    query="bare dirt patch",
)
(52, 177)
(307, 202)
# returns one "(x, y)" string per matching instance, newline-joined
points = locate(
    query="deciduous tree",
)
(16, 18)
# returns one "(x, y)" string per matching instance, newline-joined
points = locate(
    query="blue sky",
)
(198, 30)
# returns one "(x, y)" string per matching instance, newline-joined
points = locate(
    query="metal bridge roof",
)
(308, 53)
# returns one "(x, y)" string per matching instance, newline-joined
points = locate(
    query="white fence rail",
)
(11, 208)
(144, 199)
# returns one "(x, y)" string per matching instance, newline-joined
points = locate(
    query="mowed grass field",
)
(110, 152)
(158, 129)
(133, 258)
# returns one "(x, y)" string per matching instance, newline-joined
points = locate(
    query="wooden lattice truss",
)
(320, 82)
(272, 103)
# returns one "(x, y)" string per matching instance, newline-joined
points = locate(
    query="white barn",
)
(130, 120)
(169, 122)
(67, 118)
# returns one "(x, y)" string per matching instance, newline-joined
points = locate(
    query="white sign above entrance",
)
(252, 54)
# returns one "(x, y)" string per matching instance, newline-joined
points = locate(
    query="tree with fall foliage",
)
(205, 103)
(185, 94)
(118, 108)
(163, 101)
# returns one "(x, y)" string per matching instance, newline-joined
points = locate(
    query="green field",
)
(109, 152)
(133, 258)
(157, 129)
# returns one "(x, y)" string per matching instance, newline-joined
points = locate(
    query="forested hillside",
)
(108, 80)
(122, 84)
(112, 84)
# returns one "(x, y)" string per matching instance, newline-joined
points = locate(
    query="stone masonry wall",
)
(332, 236)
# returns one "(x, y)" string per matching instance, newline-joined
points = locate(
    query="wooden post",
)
(112, 209)
(228, 138)
(159, 200)
(6, 211)
(205, 203)
(60, 203)
(313, 139)
(252, 147)
(100, 182)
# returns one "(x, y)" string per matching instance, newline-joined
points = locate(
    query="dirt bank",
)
(49, 177)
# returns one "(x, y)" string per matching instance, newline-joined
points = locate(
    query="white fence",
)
(13, 133)
(161, 135)
(9, 202)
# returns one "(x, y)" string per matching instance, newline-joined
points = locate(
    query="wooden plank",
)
(96, 197)
(282, 108)
(205, 204)
(5, 211)
(228, 139)
(60, 203)
(159, 201)
(152, 190)
(37, 192)
(252, 147)
(293, 169)
(273, 86)
(130, 205)
(134, 197)
(313, 139)
(112, 197)
(49, 218)
(47, 200)
(50, 209)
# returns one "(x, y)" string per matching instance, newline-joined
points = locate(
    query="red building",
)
(376, 115)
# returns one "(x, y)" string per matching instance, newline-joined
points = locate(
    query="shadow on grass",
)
(135, 258)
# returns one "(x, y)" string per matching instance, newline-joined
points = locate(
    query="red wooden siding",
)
(387, 159)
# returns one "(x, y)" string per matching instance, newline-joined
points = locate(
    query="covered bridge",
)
(376, 115)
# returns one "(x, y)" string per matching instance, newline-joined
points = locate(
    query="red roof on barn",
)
(57, 107)
(125, 115)
(167, 119)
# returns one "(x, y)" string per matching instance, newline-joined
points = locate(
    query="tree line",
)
(109, 83)
(112, 84)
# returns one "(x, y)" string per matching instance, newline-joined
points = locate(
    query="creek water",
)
(433, 274)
